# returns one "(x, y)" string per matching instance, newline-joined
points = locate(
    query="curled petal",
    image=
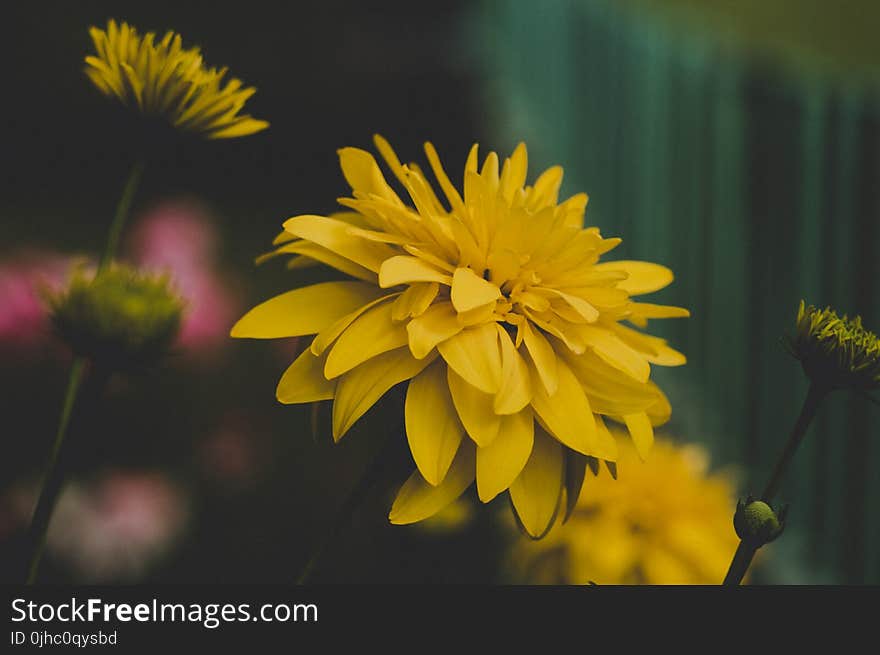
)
(418, 500)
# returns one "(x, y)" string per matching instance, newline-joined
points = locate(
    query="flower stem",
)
(53, 479)
(374, 472)
(746, 552)
(815, 394)
(121, 215)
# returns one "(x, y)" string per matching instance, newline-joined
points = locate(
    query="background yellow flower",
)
(664, 521)
(166, 79)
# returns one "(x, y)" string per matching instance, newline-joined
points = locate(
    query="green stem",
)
(121, 215)
(742, 559)
(53, 478)
(373, 472)
(811, 403)
(746, 552)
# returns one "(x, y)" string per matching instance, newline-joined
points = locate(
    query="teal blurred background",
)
(736, 142)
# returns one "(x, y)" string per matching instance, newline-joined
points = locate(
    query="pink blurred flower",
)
(179, 238)
(23, 278)
(114, 528)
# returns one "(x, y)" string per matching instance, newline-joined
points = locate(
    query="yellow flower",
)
(453, 518)
(666, 521)
(497, 311)
(836, 352)
(167, 80)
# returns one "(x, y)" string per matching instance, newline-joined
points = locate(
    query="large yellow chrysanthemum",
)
(666, 521)
(164, 79)
(497, 311)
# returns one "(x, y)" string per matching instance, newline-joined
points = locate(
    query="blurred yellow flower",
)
(167, 80)
(666, 521)
(497, 310)
(453, 518)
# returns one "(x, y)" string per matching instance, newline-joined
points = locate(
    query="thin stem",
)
(746, 552)
(343, 516)
(54, 476)
(121, 215)
(811, 403)
(742, 559)
(53, 479)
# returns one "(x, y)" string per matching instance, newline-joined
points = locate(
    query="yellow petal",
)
(304, 381)
(360, 388)
(451, 192)
(303, 311)
(477, 315)
(535, 492)
(542, 356)
(573, 211)
(432, 426)
(370, 334)
(606, 440)
(404, 269)
(611, 349)
(513, 174)
(516, 386)
(363, 173)
(582, 309)
(474, 408)
(334, 235)
(417, 500)
(376, 235)
(503, 265)
(641, 432)
(609, 390)
(283, 237)
(661, 410)
(567, 332)
(546, 188)
(654, 349)
(470, 165)
(499, 463)
(474, 354)
(470, 291)
(567, 414)
(648, 310)
(330, 334)
(312, 252)
(642, 277)
(243, 127)
(415, 300)
(469, 252)
(390, 157)
(436, 325)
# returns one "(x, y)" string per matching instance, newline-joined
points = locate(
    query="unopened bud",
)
(120, 318)
(756, 523)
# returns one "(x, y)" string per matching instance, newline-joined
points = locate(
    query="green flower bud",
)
(756, 523)
(836, 352)
(120, 318)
